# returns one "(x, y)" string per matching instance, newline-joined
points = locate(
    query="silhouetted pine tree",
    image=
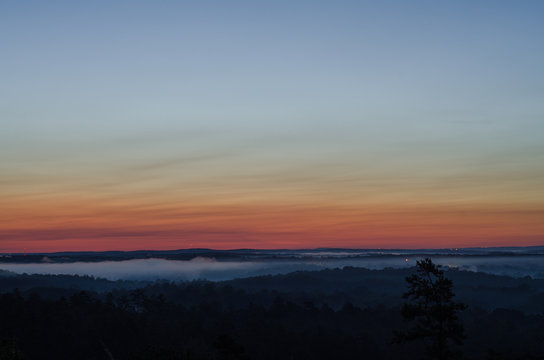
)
(430, 305)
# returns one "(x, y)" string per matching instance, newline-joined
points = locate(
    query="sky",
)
(270, 124)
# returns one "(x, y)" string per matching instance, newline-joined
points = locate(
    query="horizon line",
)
(271, 249)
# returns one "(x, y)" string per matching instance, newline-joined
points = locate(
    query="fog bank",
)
(214, 270)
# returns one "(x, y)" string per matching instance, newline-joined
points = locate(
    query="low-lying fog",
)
(211, 269)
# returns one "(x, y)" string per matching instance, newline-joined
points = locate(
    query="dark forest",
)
(349, 313)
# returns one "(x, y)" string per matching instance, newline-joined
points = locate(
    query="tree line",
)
(216, 321)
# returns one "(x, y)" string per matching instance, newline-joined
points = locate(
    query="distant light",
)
(405, 259)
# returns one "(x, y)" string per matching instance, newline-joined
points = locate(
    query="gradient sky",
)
(280, 124)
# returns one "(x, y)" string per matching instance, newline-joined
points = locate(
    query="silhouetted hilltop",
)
(260, 254)
(331, 287)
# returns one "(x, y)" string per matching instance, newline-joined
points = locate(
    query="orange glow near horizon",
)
(67, 225)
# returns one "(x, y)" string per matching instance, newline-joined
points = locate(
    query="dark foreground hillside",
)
(331, 314)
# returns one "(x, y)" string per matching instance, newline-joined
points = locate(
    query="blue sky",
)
(347, 101)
